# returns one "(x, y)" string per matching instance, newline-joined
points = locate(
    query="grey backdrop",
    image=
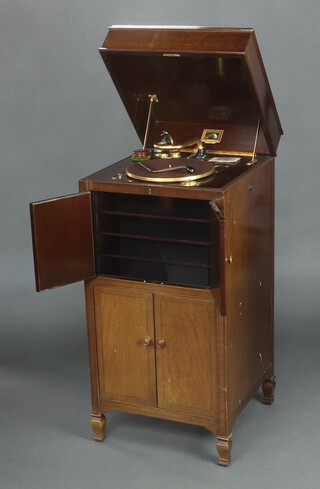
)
(61, 119)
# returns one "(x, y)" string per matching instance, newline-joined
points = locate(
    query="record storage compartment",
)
(156, 239)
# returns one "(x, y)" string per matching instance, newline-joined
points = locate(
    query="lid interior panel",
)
(222, 89)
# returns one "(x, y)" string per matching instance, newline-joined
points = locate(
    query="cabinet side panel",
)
(186, 364)
(249, 210)
(126, 364)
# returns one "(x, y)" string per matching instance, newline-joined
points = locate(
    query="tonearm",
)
(164, 150)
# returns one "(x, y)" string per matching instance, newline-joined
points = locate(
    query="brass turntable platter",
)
(170, 170)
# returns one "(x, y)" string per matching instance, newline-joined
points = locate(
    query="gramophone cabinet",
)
(175, 243)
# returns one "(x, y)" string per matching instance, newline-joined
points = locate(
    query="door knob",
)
(147, 341)
(161, 343)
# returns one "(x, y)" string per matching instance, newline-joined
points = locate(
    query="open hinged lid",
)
(203, 79)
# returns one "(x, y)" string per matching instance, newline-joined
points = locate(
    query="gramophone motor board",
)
(175, 242)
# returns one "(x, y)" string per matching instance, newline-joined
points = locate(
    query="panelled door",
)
(186, 354)
(125, 332)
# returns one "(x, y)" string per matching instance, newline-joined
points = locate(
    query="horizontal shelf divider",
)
(155, 260)
(155, 216)
(155, 238)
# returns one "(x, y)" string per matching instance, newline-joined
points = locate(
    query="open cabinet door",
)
(62, 233)
(218, 235)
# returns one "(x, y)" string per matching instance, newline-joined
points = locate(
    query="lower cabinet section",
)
(156, 349)
(167, 352)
